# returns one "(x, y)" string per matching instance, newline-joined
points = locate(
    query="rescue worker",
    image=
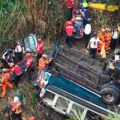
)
(39, 49)
(86, 12)
(70, 6)
(108, 37)
(7, 58)
(16, 71)
(102, 38)
(114, 40)
(93, 44)
(43, 61)
(16, 110)
(87, 33)
(18, 51)
(69, 34)
(4, 82)
(29, 66)
(113, 64)
(78, 25)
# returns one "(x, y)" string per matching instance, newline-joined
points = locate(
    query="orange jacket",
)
(102, 37)
(5, 77)
(108, 36)
(42, 63)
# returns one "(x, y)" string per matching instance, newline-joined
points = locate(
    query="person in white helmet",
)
(16, 110)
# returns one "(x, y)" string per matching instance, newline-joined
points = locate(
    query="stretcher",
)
(30, 43)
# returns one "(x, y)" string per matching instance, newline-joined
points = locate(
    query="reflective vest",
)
(42, 64)
(39, 48)
(69, 30)
(16, 70)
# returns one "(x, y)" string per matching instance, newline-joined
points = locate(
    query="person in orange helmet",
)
(108, 37)
(102, 38)
(4, 82)
(39, 49)
(43, 61)
(16, 71)
(29, 66)
(70, 7)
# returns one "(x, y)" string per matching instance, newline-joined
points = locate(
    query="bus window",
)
(76, 111)
(48, 97)
(62, 104)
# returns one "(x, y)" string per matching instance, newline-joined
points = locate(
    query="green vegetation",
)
(19, 18)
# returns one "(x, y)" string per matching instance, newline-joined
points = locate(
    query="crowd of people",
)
(14, 63)
(79, 24)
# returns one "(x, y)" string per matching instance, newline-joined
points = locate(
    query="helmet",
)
(103, 30)
(16, 99)
(11, 64)
(4, 70)
(73, 20)
(44, 56)
(9, 51)
(85, 4)
(69, 23)
(28, 55)
(39, 40)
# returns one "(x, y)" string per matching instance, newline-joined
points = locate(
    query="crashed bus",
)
(74, 82)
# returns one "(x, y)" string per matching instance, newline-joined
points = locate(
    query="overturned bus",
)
(74, 82)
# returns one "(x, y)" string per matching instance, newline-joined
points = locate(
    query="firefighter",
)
(108, 37)
(18, 51)
(102, 38)
(16, 109)
(4, 82)
(16, 71)
(29, 65)
(43, 61)
(39, 49)
(69, 33)
(70, 6)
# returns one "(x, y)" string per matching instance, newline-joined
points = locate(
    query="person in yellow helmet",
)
(43, 61)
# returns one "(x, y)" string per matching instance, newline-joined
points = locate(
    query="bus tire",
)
(110, 95)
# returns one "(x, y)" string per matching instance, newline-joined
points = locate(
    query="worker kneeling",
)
(43, 61)
(4, 82)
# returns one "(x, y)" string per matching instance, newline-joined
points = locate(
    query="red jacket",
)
(16, 69)
(39, 48)
(29, 62)
(70, 3)
(69, 30)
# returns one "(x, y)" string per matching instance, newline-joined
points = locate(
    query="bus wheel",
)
(110, 95)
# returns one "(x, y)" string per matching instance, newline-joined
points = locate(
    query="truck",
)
(74, 82)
